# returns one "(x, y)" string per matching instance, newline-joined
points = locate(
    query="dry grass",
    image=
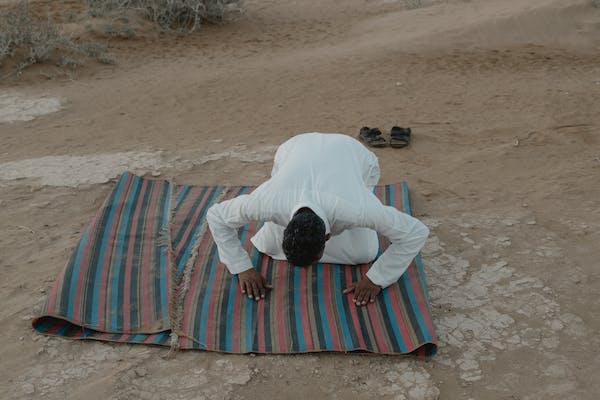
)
(25, 41)
(183, 16)
(412, 4)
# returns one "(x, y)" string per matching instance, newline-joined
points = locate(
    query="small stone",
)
(398, 83)
(503, 241)
(468, 240)
(532, 222)
(28, 388)
(141, 372)
(525, 205)
(42, 290)
(155, 173)
(240, 378)
(52, 352)
(556, 325)
(21, 338)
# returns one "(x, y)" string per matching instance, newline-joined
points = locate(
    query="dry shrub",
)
(412, 4)
(183, 16)
(25, 41)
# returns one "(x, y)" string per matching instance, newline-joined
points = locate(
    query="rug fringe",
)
(181, 284)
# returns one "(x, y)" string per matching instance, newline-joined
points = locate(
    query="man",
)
(319, 206)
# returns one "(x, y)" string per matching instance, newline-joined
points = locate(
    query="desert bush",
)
(183, 16)
(412, 4)
(25, 41)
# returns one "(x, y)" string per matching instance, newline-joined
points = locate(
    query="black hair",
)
(304, 238)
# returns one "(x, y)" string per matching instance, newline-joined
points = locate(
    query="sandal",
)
(372, 137)
(400, 137)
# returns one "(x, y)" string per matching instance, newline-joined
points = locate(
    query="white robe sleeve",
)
(224, 220)
(407, 236)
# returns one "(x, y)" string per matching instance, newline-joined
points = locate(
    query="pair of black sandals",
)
(399, 137)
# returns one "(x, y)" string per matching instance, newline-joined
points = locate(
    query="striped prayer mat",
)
(147, 271)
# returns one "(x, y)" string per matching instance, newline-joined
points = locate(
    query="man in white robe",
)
(319, 206)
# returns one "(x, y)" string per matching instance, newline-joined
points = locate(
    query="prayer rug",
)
(146, 270)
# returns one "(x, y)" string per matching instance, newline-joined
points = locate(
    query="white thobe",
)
(333, 175)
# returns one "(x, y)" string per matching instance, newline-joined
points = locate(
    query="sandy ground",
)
(504, 100)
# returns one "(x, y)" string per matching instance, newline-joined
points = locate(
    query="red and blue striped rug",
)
(147, 271)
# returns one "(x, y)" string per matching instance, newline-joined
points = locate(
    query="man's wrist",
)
(242, 269)
(373, 277)
(371, 282)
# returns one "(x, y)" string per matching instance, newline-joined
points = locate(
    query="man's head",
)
(304, 238)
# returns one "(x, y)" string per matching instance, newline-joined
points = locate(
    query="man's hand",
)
(364, 291)
(253, 284)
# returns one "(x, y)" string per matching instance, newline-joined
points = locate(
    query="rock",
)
(503, 241)
(532, 222)
(141, 372)
(239, 378)
(28, 388)
(155, 173)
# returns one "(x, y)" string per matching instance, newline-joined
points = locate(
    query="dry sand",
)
(504, 100)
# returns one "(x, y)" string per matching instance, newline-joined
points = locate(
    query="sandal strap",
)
(400, 133)
(374, 132)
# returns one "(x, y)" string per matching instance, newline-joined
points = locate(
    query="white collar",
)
(316, 209)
